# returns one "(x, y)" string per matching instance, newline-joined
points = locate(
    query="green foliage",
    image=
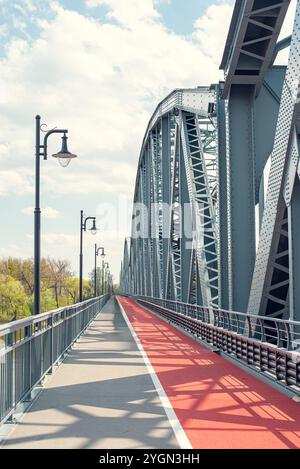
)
(87, 290)
(14, 303)
(71, 287)
(99, 280)
(59, 287)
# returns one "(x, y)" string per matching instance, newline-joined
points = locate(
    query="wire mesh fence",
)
(269, 345)
(30, 347)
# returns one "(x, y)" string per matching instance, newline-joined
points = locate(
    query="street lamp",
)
(110, 283)
(83, 228)
(102, 273)
(106, 266)
(65, 156)
(97, 250)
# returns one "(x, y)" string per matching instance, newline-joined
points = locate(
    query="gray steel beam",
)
(186, 233)
(222, 212)
(269, 295)
(166, 193)
(251, 42)
(241, 196)
(294, 219)
(265, 113)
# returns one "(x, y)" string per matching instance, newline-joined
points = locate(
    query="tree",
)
(59, 287)
(87, 290)
(71, 287)
(48, 302)
(19, 269)
(99, 280)
(55, 276)
(14, 303)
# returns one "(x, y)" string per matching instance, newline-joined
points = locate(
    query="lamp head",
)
(64, 156)
(93, 230)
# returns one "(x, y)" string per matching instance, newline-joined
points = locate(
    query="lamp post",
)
(83, 228)
(64, 157)
(106, 266)
(97, 250)
(110, 283)
(102, 275)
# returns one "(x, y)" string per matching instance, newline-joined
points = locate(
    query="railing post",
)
(14, 381)
(51, 344)
(278, 334)
(249, 327)
(263, 331)
(288, 336)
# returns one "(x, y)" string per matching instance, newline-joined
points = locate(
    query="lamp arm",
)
(86, 220)
(50, 132)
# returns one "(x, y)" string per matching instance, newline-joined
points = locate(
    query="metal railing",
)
(269, 345)
(30, 347)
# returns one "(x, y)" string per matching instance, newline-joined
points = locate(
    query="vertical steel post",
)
(81, 257)
(102, 277)
(52, 343)
(37, 221)
(95, 273)
(294, 250)
(240, 197)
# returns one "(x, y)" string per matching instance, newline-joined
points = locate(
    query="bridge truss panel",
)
(173, 248)
(270, 286)
(207, 233)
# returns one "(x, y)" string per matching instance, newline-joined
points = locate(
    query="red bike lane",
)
(218, 404)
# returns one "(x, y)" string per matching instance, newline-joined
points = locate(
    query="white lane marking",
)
(180, 434)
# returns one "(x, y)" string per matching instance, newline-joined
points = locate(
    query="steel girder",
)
(211, 155)
(173, 247)
(251, 42)
(273, 271)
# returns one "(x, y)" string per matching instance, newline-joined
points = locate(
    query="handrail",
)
(15, 325)
(254, 316)
(268, 345)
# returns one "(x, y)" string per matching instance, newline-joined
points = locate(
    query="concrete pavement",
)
(102, 396)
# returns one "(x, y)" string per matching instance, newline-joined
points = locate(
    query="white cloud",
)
(117, 178)
(102, 83)
(15, 250)
(3, 30)
(47, 212)
(101, 80)
(15, 181)
(128, 12)
(211, 30)
(60, 239)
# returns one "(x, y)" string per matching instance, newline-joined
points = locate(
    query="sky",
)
(98, 68)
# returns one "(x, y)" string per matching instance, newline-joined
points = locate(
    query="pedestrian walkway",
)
(218, 404)
(134, 381)
(101, 397)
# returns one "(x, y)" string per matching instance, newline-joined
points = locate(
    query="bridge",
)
(201, 347)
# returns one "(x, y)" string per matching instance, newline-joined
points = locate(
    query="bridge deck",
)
(103, 395)
(100, 397)
(218, 404)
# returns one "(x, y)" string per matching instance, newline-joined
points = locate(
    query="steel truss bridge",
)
(210, 297)
(216, 213)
